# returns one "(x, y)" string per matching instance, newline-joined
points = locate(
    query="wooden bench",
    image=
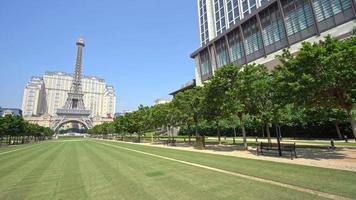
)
(274, 147)
(165, 142)
(171, 142)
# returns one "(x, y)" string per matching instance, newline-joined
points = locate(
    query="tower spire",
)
(75, 96)
(74, 109)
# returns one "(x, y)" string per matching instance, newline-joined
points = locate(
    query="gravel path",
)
(340, 158)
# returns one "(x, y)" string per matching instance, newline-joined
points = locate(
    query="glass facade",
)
(222, 54)
(233, 11)
(223, 14)
(236, 46)
(220, 20)
(253, 37)
(205, 65)
(298, 15)
(204, 31)
(272, 25)
(248, 6)
(267, 31)
(325, 9)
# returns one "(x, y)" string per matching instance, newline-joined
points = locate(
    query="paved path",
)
(341, 158)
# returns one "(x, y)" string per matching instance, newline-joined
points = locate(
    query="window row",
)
(268, 31)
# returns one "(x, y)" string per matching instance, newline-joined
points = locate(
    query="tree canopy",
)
(318, 84)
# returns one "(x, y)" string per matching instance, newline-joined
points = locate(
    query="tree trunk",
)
(233, 138)
(268, 133)
(196, 130)
(203, 135)
(243, 132)
(172, 132)
(338, 130)
(263, 131)
(219, 136)
(353, 126)
(353, 122)
(280, 132)
(278, 140)
(190, 134)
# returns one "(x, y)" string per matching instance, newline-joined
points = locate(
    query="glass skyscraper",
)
(246, 31)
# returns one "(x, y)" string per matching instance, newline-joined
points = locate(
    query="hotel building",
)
(44, 95)
(255, 31)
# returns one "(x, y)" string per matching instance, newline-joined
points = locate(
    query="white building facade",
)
(216, 16)
(162, 101)
(44, 95)
(34, 97)
(255, 31)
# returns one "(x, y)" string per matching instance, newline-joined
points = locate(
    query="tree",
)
(189, 107)
(215, 96)
(321, 75)
(182, 103)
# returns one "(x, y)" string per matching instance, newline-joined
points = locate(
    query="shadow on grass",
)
(303, 151)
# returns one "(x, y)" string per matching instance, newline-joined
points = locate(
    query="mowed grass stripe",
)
(7, 150)
(15, 179)
(93, 177)
(70, 184)
(46, 185)
(19, 152)
(333, 181)
(11, 162)
(193, 182)
(29, 181)
(122, 187)
(213, 161)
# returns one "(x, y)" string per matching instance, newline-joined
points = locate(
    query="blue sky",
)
(141, 47)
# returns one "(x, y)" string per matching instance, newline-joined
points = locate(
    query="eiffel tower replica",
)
(74, 110)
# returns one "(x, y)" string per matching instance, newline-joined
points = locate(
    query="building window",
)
(245, 8)
(222, 52)
(204, 32)
(219, 16)
(253, 38)
(325, 9)
(298, 15)
(233, 11)
(252, 5)
(235, 42)
(272, 25)
(264, 2)
(205, 65)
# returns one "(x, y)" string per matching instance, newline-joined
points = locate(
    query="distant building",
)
(48, 93)
(189, 85)
(124, 112)
(10, 111)
(34, 97)
(162, 101)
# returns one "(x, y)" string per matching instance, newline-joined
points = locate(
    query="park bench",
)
(274, 147)
(171, 142)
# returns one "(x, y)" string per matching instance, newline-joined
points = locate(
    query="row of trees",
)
(316, 85)
(15, 130)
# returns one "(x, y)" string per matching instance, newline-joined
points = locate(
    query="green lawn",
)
(90, 169)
